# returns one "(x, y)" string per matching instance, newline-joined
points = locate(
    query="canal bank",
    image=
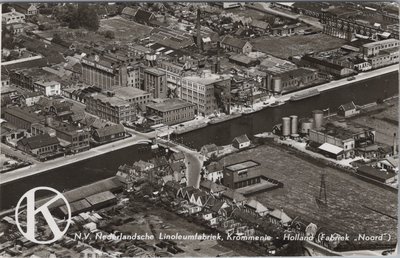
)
(104, 166)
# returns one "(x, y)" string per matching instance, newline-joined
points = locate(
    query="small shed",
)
(241, 142)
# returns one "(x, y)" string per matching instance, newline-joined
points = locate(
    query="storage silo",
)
(306, 126)
(294, 124)
(285, 126)
(277, 84)
(318, 116)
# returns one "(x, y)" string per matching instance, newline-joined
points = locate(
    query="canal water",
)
(100, 167)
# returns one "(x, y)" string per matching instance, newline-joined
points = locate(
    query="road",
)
(342, 82)
(62, 161)
(5, 149)
(265, 7)
(193, 161)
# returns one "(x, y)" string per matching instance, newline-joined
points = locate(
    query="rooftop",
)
(38, 141)
(47, 83)
(154, 71)
(207, 78)
(243, 165)
(377, 43)
(169, 105)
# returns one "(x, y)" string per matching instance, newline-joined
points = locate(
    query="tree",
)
(109, 34)
(56, 39)
(84, 16)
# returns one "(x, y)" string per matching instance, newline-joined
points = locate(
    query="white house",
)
(348, 110)
(389, 164)
(48, 88)
(13, 17)
(241, 142)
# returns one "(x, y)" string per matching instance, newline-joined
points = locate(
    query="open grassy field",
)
(346, 194)
(384, 122)
(125, 29)
(284, 47)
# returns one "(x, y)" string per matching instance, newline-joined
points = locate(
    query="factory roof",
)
(322, 62)
(295, 73)
(24, 114)
(129, 11)
(234, 42)
(169, 105)
(110, 130)
(330, 148)
(154, 71)
(279, 214)
(377, 43)
(39, 141)
(46, 83)
(207, 78)
(128, 92)
(100, 197)
(109, 184)
(243, 165)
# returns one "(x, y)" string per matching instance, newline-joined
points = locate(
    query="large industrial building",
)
(120, 105)
(155, 82)
(209, 92)
(108, 71)
(279, 82)
(170, 111)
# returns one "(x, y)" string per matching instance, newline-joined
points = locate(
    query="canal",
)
(104, 166)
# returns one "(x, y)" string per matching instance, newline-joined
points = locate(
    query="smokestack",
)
(198, 29)
(394, 144)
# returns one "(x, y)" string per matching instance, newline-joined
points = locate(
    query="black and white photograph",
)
(199, 129)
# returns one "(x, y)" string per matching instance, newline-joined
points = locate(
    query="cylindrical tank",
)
(294, 124)
(318, 116)
(277, 84)
(306, 126)
(285, 126)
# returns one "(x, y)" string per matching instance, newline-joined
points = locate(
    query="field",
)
(384, 122)
(348, 197)
(125, 29)
(284, 47)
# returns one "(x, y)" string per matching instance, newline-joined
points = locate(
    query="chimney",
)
(394, 144)
(198, 29)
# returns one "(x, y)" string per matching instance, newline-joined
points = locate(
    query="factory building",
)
(374, 48)
(209, 92)
(117, 106)
(170, 112)
(241, 174)
(290, 80)
(155, 82)
(108, 71)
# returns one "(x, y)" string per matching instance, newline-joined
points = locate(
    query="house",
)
(213, 188)
(209, 150)
(177, 157)
(128, 13)
(277, 216)
(389, 164)
(377, 175)
(256, 207)
(213, 172)
(348, 109)
(241, 142)
(236, 45)
(109, 133)
(260, 26)
(144, 17)
(210, 218)
(29, 98)
(39, 145)
(25, 8)
(179, 167)
(234, 197)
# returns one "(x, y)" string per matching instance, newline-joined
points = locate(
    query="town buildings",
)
(22, 118)
(236, 45)
(170, 111)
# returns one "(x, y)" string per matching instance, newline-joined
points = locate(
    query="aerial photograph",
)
(199, 129)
